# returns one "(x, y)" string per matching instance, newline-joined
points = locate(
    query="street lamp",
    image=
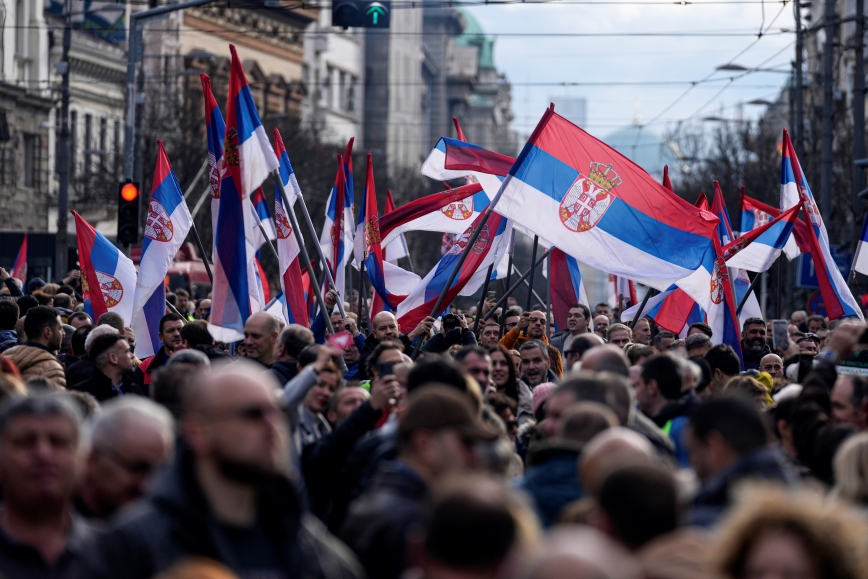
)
(62, 239)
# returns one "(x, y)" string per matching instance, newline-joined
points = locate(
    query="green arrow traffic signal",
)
(375, 12)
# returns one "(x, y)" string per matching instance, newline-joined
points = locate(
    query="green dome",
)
(473, 35)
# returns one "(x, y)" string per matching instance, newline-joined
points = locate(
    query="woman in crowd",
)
(506, 380)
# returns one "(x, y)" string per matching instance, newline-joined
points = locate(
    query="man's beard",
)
(245, 473)
(755, 346)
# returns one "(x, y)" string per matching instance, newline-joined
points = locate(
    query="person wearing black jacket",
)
(227, 496)
(323, 460)
(293, 339)
(453, 330)
(386, 328)
(112, 372)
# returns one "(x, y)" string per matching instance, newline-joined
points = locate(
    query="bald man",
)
(579, 551)
(773, 365)
(260, 338)
(386, 328)
(232, 472)
(610, 449)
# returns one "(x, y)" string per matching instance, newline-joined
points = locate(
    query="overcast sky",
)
(531, 60)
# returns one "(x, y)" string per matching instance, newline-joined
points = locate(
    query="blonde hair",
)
(50, 289)
(851, 470)
(832, 538)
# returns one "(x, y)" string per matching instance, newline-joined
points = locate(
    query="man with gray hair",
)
(40, 461)
(293, 339)
(535, 364)
(129, 440)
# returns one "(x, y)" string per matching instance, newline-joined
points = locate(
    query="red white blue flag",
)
(19, 266)
(168, 223)
(108, 277)
(397, 248)
(566, 287)
(215, 129)
(837, 298)
(405, 217)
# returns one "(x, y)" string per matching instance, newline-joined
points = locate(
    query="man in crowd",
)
(37, 358)
(642, 332)
(849, 404)
(772, 365)
(728, 444)
(724, 365)
(700, 328)
(489, 337)
(475, 362)
(112, 372)
(260, 337)
(661, 397)
(385, 328)
(79, 319)
(353, 351)
(436, 438)
(753, 343)
(203, 310)
(578, 347)
(602, 309)
(293, 339)
(662, 341)
(601, 326)
(182, 303)
(83, 369)
(344, 403)
(535, 367)
(578, 318)
(227, 494)
(697, 344)
(170, 336)
(511, 318)
(534, 325)
(40, 438)
(815, 323)
(129, 440)
(620, 335)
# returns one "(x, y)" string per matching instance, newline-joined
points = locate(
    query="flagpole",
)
(749, 291)
(482, 299)
(509, 267)
(195, 180)
(548, 298)
(175, 311)
(322, 258)
(202, 252)
(513, 287)
(536, 295)
(641, 307)
(361, 291)
(305, 260)
(532, 271)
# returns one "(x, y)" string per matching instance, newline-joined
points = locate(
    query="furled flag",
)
(248, 159)
(406, 216)
(755, 213)
(349, 200)
(391, 283)
(260, 205)
(600, 207)
(621, 287)
(860, 260)
(19, 266)
(837, 298)
(666, 181)
(488, 249)
(215, 128)
(108, 277)
(168, 223)
(760, 247)
(294, 304)
(702, 202)
(566, 287)
(397, 248)
(332, 240)
(740, 279)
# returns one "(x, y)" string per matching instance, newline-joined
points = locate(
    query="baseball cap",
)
(436, 407)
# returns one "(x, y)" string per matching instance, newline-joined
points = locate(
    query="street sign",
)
(807, 278)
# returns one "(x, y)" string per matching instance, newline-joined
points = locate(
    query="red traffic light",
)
(129, 192)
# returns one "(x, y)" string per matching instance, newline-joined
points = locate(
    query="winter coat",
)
(378, 522)
(551, 478)
(176, 523)
(284, 371)
(100, 386)
(37, 362)
(8, 339)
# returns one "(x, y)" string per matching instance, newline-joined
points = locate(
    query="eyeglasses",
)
(137, 468)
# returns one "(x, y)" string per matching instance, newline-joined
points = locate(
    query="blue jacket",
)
(8, 338)
(551, 478)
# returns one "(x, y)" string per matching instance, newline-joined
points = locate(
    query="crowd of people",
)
(458, 449)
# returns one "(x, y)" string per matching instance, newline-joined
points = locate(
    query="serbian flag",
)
(837, 298)
(407, 217)
(294, 305)
(489, 249)
(333, 239)
(19, 266)
(215, 128)
(566, 287)
(391, 283)
(760, 247)
(248, 159)
(860, 261)
(755, 213)
(260, 205)
(718, 207)
(397, 248)
(595, 204)
(620, 286)
(168, 223)
(108, 277)
(672, 310)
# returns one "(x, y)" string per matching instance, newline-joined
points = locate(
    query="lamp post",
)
(62, 239)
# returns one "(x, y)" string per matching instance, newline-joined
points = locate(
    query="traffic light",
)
(361, 13)
(128, 213)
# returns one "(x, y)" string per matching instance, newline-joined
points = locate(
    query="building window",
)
(116, 144)
(29, 174)
(342, 90)
(7, 165)
(327, 88)
(88, 143)
(103, 130)
(351, 96)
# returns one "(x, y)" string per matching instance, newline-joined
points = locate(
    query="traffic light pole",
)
(62, 238)
(134, 56)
